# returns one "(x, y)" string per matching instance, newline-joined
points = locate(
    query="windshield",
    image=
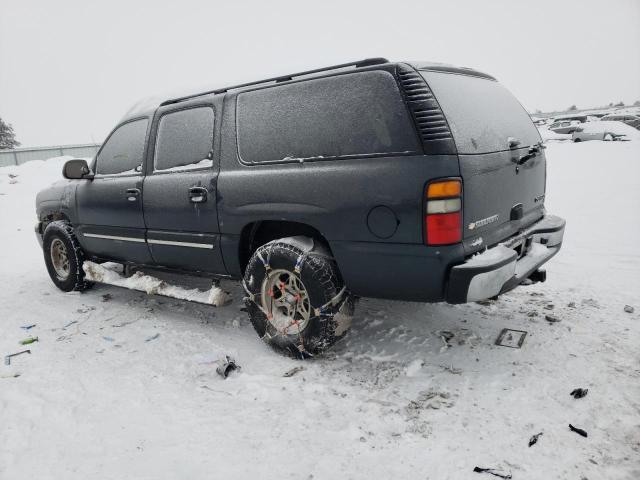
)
(482, 113)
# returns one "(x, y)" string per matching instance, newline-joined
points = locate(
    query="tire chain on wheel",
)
(324, 273)
(66, 229)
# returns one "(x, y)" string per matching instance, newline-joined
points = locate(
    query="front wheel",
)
(64, 257)
(296, 298)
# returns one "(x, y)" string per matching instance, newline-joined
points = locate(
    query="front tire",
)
(64, 257)
(297, 301)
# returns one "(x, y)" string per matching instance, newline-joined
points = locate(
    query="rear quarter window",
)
(352, 114)
(482, 114)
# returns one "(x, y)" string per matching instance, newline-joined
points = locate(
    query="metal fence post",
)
(15, 157)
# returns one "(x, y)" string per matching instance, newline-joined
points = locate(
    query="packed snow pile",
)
(110, 274)
(121, 384)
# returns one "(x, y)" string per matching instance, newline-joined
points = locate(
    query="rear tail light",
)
(443, 212)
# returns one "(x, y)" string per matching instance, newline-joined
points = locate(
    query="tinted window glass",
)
(354, 114)
(482, 113)
(185, 139)
(123, 151)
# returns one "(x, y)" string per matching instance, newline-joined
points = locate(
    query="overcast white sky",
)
(70, 69)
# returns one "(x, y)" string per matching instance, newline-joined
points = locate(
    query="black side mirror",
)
(76, 169)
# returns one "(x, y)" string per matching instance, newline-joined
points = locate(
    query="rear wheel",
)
(576, 140)
(607, 137)
(297, 301)
(64, 257)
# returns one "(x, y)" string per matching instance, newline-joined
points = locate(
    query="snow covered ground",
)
(103, 396)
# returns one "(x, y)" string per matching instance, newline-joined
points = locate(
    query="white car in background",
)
(606, 131)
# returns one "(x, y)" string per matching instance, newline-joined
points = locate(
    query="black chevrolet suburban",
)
(407, 181)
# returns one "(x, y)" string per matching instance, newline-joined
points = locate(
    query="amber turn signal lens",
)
(448, 188)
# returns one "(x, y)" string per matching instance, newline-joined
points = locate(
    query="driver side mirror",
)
(77, 169)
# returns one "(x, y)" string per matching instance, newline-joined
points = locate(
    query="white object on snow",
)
(152, 285)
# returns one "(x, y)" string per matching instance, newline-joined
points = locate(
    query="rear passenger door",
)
(180, 190)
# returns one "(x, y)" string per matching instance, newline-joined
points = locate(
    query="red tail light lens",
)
(444, 228)
(443, 212)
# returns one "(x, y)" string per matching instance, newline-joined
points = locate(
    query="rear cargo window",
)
(353, 114)
(482, 113)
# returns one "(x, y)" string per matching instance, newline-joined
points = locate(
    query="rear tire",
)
(296, 300)
(64, 257)
(576, 140)
(607, 137)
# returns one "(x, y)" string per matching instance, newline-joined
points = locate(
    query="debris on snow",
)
(69, 324)
(28, 327)
(28, 341)
(549, 306)
(227, 366)
(109, 339)
(152, 337)
(106, 297)
(579, 431)
(293, 371)
(7, 358)
(629, 309)
(579, 392)
(153, 286)
(452, 369)
(493, 471)
(534, 439)
(551, 319)
(511, 338)
(432, 399)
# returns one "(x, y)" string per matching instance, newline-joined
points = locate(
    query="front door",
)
(110, 220)
(180, 191)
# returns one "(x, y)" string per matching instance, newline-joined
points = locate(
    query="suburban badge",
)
(483, 222)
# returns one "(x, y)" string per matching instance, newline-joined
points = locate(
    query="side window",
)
(355, 114)
(184, 140)
(123, 150)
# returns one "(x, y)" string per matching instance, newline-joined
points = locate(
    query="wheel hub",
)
(60, 259)
(285, 301)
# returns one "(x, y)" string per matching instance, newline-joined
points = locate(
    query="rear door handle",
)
(198, 194)
(133, 194)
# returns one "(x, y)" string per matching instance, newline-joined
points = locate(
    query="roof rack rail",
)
(283, 78)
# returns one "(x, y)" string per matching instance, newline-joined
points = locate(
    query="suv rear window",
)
(482, 114)
(184, 140)
(352, 114)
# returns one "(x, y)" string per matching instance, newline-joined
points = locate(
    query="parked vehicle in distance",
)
(579, 117)
(631, 120)
(604, 130)
(408, 181)
(564, 126)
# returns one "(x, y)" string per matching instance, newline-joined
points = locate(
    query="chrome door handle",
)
(133, 194)
(198, 194)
